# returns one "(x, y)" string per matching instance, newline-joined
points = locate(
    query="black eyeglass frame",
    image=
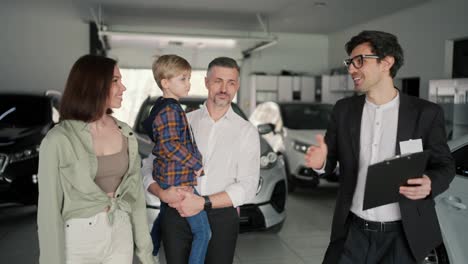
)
(350, 61)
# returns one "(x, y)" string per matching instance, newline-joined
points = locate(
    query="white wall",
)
(424, 33)
(303, 53)
(39, 41)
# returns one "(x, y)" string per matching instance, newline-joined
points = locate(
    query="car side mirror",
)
(264, 129)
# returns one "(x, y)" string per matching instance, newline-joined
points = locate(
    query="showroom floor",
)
(303, 238)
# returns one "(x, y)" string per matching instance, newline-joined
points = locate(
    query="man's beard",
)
(222, 102)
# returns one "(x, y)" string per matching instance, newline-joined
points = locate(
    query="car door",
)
(452, 210)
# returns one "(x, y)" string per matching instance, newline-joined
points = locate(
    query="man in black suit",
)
(367, 129)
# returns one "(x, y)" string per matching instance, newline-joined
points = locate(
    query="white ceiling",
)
(299, 16)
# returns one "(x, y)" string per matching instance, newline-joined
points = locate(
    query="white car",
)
(451, 207)
(290, 128)
(265, 211)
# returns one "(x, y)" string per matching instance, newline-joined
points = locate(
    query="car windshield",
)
(306, 116)
(24, 111)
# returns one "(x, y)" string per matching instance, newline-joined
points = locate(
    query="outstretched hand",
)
(316, 155)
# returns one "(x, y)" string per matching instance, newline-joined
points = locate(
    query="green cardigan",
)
(67, 168)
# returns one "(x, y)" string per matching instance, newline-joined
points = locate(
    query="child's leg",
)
(201, 237)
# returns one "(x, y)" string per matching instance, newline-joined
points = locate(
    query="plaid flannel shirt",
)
(177, 155)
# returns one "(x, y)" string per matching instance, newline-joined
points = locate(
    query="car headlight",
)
(268, 160)
(300, 146)
(25, 154)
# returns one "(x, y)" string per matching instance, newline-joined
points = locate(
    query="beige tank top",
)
(112, 168)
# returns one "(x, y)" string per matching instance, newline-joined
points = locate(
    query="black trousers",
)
(177, 237)
(370, 243)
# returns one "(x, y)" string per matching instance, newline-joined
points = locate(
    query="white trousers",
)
(94, 241)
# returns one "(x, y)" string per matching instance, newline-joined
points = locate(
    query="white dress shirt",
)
(231, 155)
(379, 125)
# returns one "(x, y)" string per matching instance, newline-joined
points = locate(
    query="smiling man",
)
(230, 147)
(367, 129)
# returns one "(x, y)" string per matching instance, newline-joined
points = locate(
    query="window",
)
(460, 58)
(140, 84)
(306, 116)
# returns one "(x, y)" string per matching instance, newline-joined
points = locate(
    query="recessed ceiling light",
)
(172, 40)
(175, 43)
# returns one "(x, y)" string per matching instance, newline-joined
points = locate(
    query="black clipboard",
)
(385, 178)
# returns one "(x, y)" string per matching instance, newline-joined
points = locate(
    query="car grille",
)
(278, 197)
(3, 162)
(251, 218)
(308, 172)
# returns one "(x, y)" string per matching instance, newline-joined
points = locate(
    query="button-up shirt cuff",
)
(322, 170)
(147, 181)
(236, 193)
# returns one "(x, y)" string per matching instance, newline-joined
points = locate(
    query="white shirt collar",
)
(228, 115)
(393, 103)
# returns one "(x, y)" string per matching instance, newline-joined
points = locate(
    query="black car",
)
(24, 121)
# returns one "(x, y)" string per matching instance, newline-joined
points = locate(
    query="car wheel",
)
(437, 256)
(276, 228)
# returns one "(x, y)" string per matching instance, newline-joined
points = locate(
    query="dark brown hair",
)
(87, 89)
(224, 62)
(382, 44)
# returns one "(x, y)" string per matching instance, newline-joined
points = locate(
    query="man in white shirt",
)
(367, 129)
(230, 148)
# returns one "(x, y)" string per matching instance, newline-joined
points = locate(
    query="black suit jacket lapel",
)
(355, 125)
(407, 120)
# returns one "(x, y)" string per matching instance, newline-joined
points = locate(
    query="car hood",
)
(12, 138)
(305, 135)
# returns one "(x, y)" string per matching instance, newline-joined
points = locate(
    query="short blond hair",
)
(169, 66)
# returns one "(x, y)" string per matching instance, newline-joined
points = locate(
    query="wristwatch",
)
(208, 204)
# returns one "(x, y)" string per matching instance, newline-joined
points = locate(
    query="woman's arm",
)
(141, 233)
(49, 217)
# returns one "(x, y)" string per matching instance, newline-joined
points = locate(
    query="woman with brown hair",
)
(91, 199)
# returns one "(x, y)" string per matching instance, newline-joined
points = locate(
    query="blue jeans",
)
(201, 232)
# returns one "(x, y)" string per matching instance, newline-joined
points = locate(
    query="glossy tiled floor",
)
(304, 236)
(302, 240)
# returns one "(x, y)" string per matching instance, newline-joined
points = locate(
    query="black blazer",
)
(417, 118)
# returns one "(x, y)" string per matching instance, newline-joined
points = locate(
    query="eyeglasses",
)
(358, 60)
